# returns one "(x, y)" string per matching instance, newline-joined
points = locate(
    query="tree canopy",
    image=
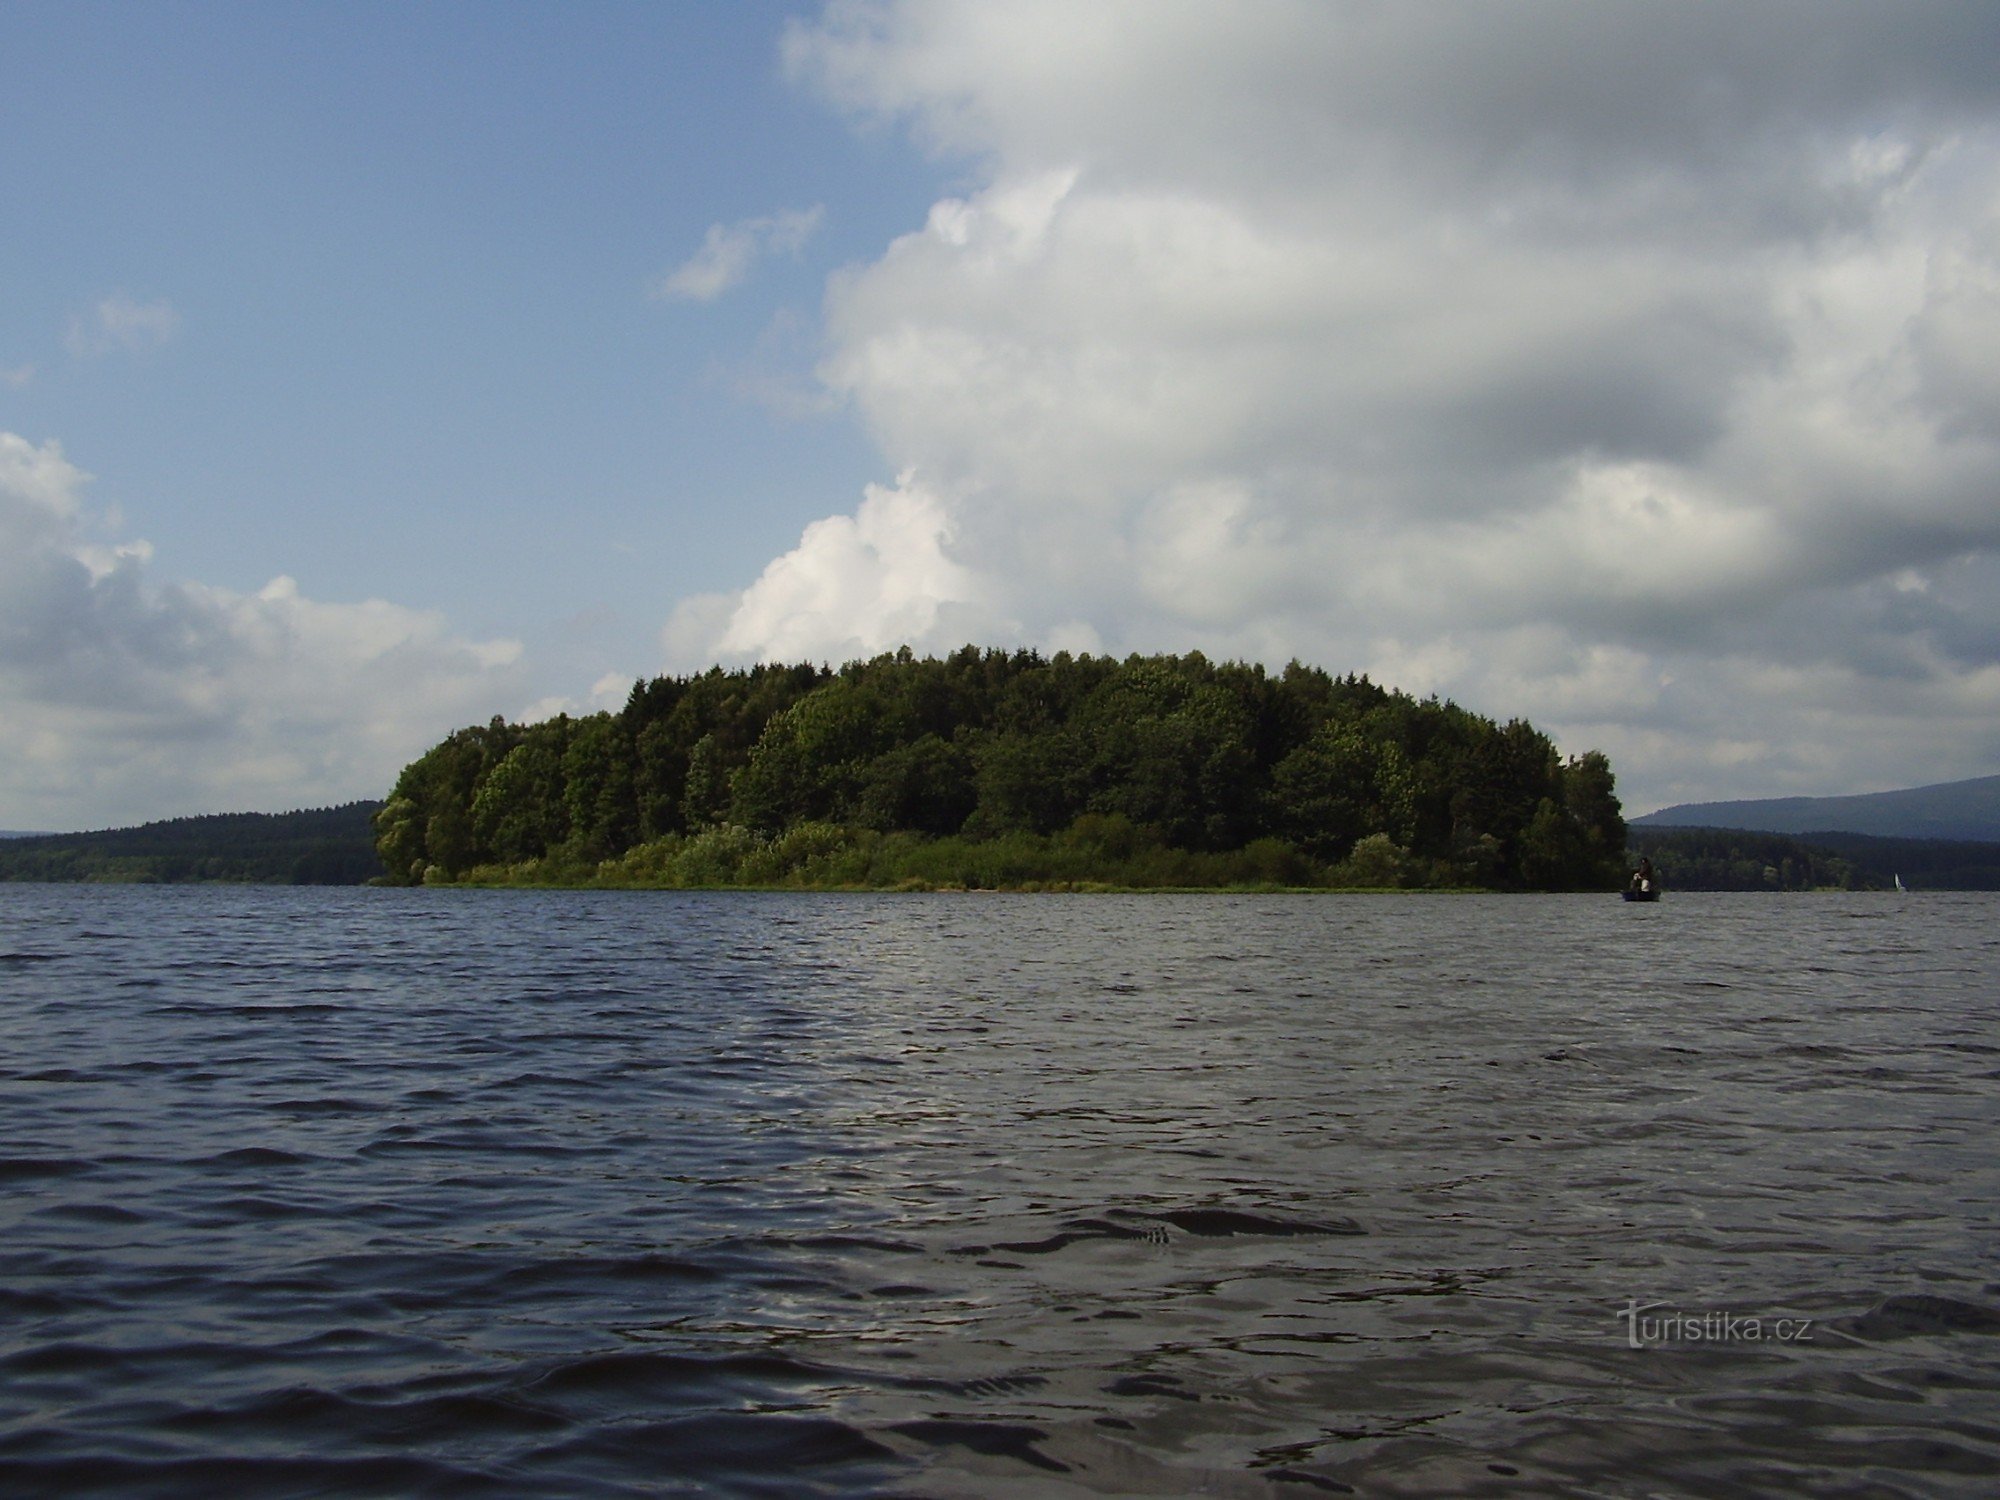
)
(1199, 772)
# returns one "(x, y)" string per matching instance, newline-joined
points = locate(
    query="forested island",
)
(991, 769)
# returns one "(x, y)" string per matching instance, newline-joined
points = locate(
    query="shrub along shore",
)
(1098, 853)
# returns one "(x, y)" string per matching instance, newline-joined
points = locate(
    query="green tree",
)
(1590, 798)
(519, 812)
(1551, 849)
(1340, 787)
(1033, 783)
(659, 778)
(399, 839)
(810, 760)
(432, 829)
(707, 796)
(926, 786)
(599, 796)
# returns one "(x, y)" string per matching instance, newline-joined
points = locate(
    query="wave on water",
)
(622, 1194)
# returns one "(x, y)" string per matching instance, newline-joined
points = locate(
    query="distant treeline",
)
(1736, 859)
(323, 846)
(1924, 864)
(991, 768)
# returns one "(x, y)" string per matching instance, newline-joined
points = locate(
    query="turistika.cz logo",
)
(1644, 1327)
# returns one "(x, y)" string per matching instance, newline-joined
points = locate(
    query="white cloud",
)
(729, 252)
(17, 377)
(39, 489)
(607, 695)
(120, 323)
(124, 697)
(852, 587)
(1612, 365)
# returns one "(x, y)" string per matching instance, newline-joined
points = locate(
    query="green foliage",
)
(322, 846)
(926, 786)
(520, 810)
(706, 784)
(600, 800)
(1576, 840)
(1590, 800)
(1377, 862)
(1341, 786)
(989, 768)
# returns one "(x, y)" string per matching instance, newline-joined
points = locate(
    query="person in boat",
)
(1642, 878)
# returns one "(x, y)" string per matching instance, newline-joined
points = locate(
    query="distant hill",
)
(1961, 810)
(319, 846)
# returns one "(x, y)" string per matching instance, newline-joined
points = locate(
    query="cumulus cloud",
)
(607, 695)
(730, 251)
(1621, 366)
(121, 323)
(854, 586)
(124, 697)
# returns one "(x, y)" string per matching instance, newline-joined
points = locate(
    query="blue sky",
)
(407, 250)
(367, 370)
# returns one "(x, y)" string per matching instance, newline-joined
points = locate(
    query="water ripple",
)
(521, 1193)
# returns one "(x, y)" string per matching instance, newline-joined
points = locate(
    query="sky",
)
(371, 370)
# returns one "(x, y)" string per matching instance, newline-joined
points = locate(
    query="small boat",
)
(1899, 884)
(1644, 884)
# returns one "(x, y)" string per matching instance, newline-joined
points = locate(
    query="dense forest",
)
(998, 769)
(1737, 859)
(321, 846)
(1923, 864)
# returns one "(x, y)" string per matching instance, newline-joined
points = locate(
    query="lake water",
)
(580, 1194)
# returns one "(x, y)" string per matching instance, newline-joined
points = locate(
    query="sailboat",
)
(1899, 884)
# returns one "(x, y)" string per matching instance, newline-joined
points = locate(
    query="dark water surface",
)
(538, 1193)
